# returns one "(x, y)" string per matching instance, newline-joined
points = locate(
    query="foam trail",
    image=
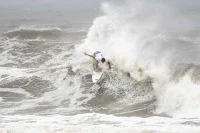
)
(93, 123)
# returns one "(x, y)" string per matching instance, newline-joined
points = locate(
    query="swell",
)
(43, 32)
(31, 32)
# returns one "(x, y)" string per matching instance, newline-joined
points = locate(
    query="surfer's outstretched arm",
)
(89, 55)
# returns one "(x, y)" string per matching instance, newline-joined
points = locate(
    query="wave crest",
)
(34, 32)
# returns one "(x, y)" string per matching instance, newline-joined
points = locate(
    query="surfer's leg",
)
(95, 66)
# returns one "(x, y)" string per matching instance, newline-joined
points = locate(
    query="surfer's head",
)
(103, 60)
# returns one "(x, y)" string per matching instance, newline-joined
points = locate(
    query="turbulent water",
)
(153, 86)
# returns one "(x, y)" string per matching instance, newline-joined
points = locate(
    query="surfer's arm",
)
(89, 55)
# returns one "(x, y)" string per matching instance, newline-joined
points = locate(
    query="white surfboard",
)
(96, 76)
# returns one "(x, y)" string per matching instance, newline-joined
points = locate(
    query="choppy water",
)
(153, 86)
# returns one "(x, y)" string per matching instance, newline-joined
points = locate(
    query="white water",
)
(96, 123)
(136, 36)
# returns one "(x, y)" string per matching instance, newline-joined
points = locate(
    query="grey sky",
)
(179, 13)
(71, 9)
(72, 4)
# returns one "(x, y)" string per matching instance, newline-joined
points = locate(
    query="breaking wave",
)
(155, 48)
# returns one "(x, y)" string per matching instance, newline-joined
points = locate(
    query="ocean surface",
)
(45, 79)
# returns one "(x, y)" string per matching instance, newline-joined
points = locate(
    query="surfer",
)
(98, 58)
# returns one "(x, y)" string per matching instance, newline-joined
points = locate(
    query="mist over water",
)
(45, 80)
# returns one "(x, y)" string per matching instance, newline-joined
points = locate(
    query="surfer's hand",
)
(85, 53)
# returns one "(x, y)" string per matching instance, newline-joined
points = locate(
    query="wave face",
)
(153, 40)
